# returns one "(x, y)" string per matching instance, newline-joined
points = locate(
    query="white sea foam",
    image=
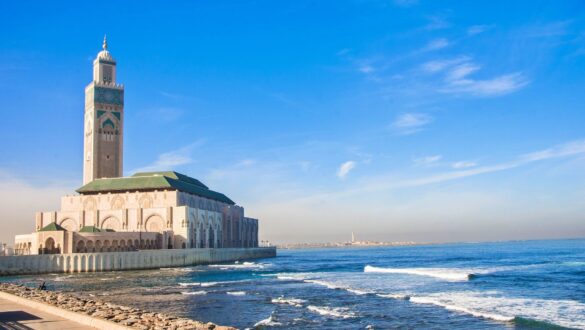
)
(455, 308)
(208, 284)
(447, 274)
(190, 284)
(270, 322)
(492, 305)
(328, 285)
(394, 296)
(194, 293)
(358, 292)
(245, 265)
(338, 312)
(287, 278)
(289, 301)
(236, 293)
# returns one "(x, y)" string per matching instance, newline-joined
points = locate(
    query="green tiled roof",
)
(154, 181)
(90, 229)
(53, 226)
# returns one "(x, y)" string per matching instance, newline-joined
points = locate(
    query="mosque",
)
(150, 210)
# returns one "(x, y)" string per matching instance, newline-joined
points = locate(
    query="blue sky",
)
(398, 120)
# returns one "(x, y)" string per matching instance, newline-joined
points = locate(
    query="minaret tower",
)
(104, 119)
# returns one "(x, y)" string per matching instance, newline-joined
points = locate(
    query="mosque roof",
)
(53, 226)
(148, 181)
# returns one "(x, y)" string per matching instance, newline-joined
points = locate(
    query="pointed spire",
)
(105, 44)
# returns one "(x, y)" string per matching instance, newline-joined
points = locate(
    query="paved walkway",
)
(15, 316)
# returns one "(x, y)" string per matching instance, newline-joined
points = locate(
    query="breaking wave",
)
(236, 293)
(289, 301)
(338, 312)
(209, 284)
(194, 293)
(440, 273)
(269, 322)
(560, 313)
(455, 308)
(244, 265)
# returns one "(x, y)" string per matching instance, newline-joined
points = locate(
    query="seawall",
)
(108, 261)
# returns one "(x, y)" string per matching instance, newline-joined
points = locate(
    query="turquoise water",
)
(522, 285)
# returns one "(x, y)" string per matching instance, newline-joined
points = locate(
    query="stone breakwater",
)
(132, 318)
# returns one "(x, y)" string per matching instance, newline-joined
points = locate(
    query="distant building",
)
(154, 210)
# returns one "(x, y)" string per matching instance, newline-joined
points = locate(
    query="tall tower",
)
(104, 119)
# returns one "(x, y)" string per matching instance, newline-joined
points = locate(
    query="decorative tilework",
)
(108, 122)
(109, 95)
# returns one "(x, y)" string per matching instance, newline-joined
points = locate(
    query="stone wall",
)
(106, 261)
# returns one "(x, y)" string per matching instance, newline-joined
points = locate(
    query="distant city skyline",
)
(420, 121)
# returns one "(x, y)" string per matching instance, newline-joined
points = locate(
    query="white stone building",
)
(154, 210)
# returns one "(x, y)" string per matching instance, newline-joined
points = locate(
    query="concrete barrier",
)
(106, 261)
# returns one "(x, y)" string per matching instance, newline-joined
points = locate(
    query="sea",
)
(499, 285)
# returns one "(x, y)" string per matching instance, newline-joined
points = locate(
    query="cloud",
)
(457, 78)
(410, 123)
(463, 164)
(168, 160)
(436, 23)
(437, 44)
(389, 182)
(477, 29)
(440, 65)
(428, 160)
(461, 71)
(563, 150)
(500, 85)
(366, 69)
(345, 168)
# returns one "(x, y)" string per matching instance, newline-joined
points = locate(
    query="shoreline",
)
(99, 314)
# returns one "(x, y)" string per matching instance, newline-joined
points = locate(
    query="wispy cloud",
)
(437, 44)
(366, 68)
(436, 23)
(427, 160)
(457, 78)
(477, 29)
(563, 150)
(345, 168)
(463, 164)
(440, 65)
(168, 160)
(388, 182)
(410, 123)
(500, 85)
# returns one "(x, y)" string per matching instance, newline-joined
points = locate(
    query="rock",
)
(124, 315)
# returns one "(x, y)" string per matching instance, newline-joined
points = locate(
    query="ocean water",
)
(504, 285)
